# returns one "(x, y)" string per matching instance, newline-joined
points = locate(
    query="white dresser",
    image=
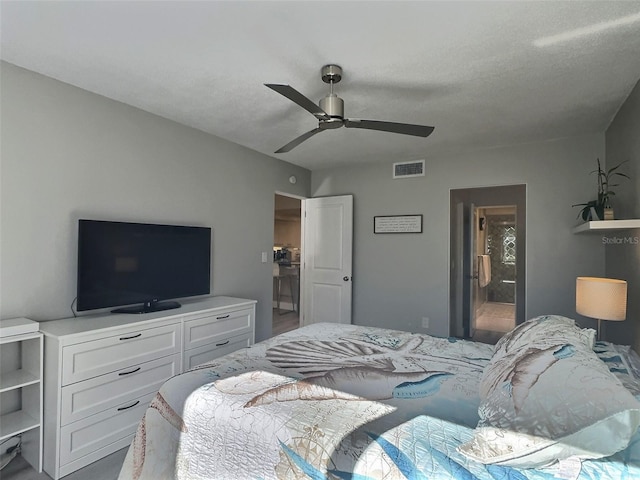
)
(101, 371)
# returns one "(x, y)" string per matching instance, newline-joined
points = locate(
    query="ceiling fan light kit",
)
(330, 112)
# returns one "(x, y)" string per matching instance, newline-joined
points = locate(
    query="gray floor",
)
(107, 468)
(284, 321)
(493, 320)
(496, 317)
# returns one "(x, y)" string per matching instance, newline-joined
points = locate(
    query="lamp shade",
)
(601, 298)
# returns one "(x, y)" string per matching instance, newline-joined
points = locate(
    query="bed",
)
(344, 401)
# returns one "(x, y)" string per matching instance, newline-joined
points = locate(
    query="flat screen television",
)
(121, 263)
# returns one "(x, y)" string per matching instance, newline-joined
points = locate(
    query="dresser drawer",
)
(215, 328)
(130, 347)
(206, 353)
(81, 399)
(98, 431)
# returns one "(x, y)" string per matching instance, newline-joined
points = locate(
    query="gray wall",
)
(67, 154)
(398, 279)
(623, 259)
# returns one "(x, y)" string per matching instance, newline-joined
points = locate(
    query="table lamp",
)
(601, 298)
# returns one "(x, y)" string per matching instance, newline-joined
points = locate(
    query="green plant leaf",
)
(622, 175)
(613, 169)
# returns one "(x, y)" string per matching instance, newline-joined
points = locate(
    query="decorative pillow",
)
(545, 329)
(623, 362)
(545, 396)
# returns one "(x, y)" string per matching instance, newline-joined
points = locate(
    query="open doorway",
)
(495, 304)
(488, 244)
(287, 251)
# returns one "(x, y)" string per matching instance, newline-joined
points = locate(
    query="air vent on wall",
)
(408, 169)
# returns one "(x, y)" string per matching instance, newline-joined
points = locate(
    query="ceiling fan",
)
(330, 113)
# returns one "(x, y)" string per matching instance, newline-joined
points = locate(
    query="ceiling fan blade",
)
(296, 97)
(294, 143)
(403, 128)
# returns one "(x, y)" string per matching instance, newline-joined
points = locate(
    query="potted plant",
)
(602, 205)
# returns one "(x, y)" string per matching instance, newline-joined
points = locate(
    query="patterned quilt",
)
(333, 401)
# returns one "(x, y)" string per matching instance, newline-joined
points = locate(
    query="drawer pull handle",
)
(223, 343)
(129, 373)
(132, 336)
(130, 406)
(223, 317)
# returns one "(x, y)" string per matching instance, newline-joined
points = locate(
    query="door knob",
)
(345, 278)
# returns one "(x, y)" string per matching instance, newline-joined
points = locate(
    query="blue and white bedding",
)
(337, 401)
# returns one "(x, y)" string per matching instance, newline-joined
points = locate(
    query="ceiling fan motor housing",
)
(333, 105)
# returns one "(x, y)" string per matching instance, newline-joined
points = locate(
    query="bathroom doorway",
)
(495, 306)
(487, 264)
(287, 251)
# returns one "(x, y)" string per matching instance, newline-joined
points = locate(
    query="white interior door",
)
(327, 253)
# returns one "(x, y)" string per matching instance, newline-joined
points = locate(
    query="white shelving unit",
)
(21, 349)
(607, 225)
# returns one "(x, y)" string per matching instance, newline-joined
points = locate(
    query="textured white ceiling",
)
(470, 69)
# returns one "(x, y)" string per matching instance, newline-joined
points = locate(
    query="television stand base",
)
(148, 307)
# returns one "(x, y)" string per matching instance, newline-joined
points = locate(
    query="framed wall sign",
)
(397, 224)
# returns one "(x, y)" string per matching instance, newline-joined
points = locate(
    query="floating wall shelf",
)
(607, 225)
